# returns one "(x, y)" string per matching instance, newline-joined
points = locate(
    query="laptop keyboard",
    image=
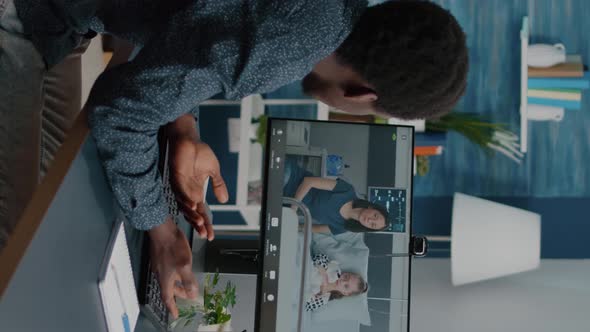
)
(157, 309)
(154, 306)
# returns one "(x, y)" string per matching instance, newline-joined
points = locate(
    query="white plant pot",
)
(226, 327)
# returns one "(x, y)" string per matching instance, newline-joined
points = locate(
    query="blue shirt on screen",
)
(324, 205)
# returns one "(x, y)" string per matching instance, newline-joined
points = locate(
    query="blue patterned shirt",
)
(190, 52)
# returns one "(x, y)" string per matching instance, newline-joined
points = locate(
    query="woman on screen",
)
(333, 204)
(328, 283)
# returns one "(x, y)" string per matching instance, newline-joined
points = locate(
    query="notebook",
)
(116, 284)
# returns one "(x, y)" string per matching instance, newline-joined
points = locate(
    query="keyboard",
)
(152, 305)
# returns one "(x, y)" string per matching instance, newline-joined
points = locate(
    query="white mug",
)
(545, 55)
(544, 113)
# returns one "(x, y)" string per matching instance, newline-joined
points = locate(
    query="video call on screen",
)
(332, 269)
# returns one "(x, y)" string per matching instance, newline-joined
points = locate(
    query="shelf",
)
(419, 125)
(524, 44)
(246, 110)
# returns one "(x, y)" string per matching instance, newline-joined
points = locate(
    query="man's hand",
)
(171, 259)
(191, 163)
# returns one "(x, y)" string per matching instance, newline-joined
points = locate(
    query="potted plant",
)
(213, 306)
(260, 129)
(489, 136)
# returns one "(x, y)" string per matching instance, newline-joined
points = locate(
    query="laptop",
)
(336, 239)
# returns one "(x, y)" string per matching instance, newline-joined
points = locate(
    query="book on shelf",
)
(430, 138)
(428, 150)
(575, 95)
(572, 67)
(567, 104)
(560, 82)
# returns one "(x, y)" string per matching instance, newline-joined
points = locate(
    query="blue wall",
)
(556, 163)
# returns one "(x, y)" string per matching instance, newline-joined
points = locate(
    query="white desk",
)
(61, 240)
(50, 265)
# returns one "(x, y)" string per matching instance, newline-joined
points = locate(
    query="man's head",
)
(406, 59)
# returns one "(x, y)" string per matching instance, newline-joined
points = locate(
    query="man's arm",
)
(127, 106)
(183, 127)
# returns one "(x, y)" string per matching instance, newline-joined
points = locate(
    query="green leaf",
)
(215, 279)
(216, 302)
(261, 130)
(470, 125)
(224, 318)
(207, 280)
(211, 318)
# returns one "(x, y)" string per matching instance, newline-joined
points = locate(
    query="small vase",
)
(545, 55)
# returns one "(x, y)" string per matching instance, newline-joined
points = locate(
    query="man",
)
(404, 59)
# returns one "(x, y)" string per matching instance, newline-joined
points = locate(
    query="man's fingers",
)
(207, 223)
(189, 282)
(167, 288)
(210, 232)
(179, 291)
(196, 219)
(202, 232)
(181, 198)
(200, 229)
(192, 216)
(219, 187)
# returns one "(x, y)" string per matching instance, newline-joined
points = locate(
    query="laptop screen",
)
(335, 227)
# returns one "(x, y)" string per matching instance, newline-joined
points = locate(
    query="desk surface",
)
(54, 286)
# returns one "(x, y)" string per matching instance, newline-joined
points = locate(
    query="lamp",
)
(491, 240)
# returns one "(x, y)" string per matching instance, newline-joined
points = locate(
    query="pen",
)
(124, 316)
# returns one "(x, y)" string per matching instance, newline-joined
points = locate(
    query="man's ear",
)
(360, 93)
